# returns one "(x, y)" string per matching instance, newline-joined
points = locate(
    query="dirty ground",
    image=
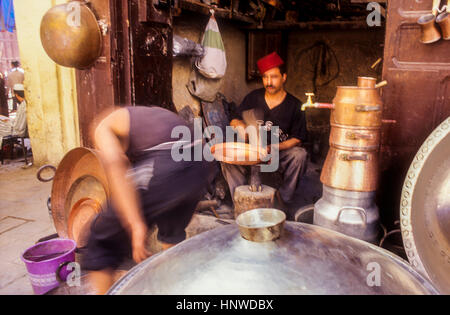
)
(24, 219)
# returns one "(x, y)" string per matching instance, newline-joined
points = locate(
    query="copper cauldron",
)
(71, 35)
(357, 106)
(355, 138)
(351, 170)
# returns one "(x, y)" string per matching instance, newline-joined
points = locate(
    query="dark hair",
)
(283, 69)
(20, 93)
(15, 63)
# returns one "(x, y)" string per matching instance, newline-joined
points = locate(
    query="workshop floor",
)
(24, 219)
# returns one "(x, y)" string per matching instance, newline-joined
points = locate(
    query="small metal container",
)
(261, 225)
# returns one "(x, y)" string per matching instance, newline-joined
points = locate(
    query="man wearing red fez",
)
(274, 105)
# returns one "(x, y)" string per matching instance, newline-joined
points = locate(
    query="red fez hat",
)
(268, 62)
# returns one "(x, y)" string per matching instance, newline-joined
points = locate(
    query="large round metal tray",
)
(238, 153)
(79, 190)
(425, 209)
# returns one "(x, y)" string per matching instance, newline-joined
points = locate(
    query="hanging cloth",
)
(7, 21)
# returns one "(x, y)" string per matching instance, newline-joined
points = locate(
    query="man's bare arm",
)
(239, 126)
(293, 142)
(111, 138)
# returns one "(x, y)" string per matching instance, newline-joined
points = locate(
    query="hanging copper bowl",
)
(425, 209)
(80, 188)
(71, 36)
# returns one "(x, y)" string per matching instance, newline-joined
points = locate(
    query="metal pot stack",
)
(350, 173)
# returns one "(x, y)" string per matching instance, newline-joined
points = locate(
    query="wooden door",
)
(95, 89)
(417, 97)
(135, 67)
(151, 41)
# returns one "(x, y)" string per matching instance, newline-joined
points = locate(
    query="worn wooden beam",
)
(315, 25)
(204, 9)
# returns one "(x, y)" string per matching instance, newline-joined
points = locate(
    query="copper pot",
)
(357, 106)
(351, 170)
(355, 138)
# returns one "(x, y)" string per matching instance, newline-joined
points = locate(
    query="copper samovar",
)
(350, 173)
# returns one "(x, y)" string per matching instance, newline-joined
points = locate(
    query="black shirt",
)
(150, 126)
(287, 115)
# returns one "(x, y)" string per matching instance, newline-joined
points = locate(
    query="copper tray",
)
(238, 153)
(425, 209)
(79, 189)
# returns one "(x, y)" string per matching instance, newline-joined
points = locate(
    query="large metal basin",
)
(306, 259)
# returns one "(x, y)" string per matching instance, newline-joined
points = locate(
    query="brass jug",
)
(443, 20)
(430, 31)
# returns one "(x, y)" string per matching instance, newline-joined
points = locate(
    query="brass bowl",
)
(261, 225)
(69, 41)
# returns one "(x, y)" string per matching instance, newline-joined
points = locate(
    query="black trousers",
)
(168, 200)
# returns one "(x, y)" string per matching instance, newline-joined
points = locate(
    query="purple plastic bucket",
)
(47, 262)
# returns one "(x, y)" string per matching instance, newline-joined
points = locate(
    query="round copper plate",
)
(80, 219)
(79, 186)
(425, 209)
(238, 153)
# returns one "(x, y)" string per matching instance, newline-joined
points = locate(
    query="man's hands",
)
(239, 126)
(138, 242)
